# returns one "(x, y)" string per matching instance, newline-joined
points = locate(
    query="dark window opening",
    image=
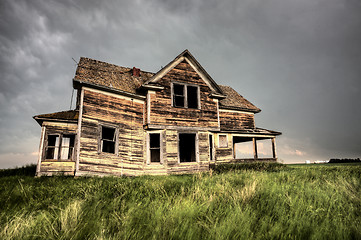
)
(192, 96)
(154, 144)
(52, 151)
(187, 147)
(108, 139)
(67, 147)
(185, 96)
(178, 95)
(211, 147)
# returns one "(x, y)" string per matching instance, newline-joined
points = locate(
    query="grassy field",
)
(257, 201)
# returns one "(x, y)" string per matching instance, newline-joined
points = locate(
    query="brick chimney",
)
(136, 72)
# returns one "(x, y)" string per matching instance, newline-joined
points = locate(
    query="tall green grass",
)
(272, 202)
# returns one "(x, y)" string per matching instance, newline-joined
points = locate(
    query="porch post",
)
(274, 148)
(255, 148)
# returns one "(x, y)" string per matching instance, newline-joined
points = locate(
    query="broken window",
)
(223, 142)
(154, 144)
(52, 150)
(185, 96)
(187, 147)
(108, 139)
(60, 147)
(178, 95)
(192, 96)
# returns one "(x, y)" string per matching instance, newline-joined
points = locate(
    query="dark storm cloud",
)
(297, 60)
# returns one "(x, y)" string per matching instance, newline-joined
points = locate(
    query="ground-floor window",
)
(60, 147)
(222, 141)
(187, 147)
(154, 146)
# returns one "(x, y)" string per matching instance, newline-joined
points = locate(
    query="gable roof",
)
(186, 55)
(235, 101)
(116, 78)
(64, 116)
(109, 75)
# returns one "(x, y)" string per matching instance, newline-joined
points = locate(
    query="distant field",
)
(259, 201)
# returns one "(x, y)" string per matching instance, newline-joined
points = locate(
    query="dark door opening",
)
(187, 147)
(211, 147)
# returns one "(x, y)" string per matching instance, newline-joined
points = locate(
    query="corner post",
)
(274, 148)
(41, 150)
(255, 149)
(79, 132)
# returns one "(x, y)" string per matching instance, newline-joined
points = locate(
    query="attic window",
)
(185, 96)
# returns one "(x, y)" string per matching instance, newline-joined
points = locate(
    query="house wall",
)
(102, 108)
(234, 120)
(224, 154)
(162, 112)
(53, 167)
(171, 152)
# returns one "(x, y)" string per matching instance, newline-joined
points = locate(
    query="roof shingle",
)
(235, 101)
(109, 75)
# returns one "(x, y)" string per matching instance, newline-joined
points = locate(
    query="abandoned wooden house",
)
(132, 122)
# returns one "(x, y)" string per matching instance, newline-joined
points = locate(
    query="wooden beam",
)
(274, 148)
(255, 149)
(41, 149)
(79, 132)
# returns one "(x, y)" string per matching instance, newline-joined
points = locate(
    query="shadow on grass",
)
(28, 170)
(256, 166)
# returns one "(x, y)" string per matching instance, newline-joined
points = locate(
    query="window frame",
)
(100, 139)
(149, 160)
(59, 147)
(219, 142)
(185, 92)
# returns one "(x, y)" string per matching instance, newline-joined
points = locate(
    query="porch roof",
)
(253, 131)
(64, 116)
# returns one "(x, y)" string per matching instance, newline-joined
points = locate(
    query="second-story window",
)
(185, 96)
(108, 139)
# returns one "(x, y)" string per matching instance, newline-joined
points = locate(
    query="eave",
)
(77, 84)
(40, 120)
(239, 109)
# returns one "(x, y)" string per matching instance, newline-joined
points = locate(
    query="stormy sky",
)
(299, 61)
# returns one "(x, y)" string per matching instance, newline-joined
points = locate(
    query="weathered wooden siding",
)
(171, 153)
(162, 112)
(52, 167)
(100, 108)
(235, 120)
(224, 155)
